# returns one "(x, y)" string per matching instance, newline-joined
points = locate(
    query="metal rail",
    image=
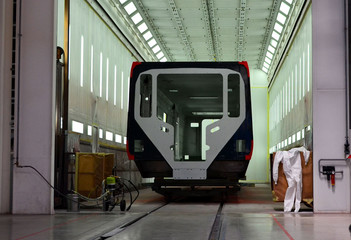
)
(217, 224)
(214, 234)
(121, 228)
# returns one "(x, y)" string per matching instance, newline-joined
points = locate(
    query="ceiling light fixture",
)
(156, 49)
(265, 69)
(275, 35)
(142, 28)
(147, 35)
(269, 55)
(267, 60)
(271, 49)
(203, 97)
(281, 18)
(278, 27)
(130, 8)
(274, 43)
(137, 18)
(207, 113)
(160, 55)
(164, 59)
(284, 8)
(152, 42)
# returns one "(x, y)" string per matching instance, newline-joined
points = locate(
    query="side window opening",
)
(146, 95)
(233, 95)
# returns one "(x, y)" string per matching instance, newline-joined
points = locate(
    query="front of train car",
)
(190, 123)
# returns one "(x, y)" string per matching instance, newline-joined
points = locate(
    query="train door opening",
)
(186, 102)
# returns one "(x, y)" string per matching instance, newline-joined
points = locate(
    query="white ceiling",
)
(204, 30)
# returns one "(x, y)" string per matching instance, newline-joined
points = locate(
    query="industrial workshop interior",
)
(174, 119)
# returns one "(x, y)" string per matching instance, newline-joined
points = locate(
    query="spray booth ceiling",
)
(255, 31)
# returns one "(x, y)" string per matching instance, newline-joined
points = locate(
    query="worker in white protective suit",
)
(292, 169)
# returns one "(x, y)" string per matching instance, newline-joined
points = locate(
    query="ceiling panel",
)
(198, 30)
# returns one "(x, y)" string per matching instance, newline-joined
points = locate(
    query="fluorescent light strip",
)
(137, 18)
(115, 87)
(269, 55)
(300, 70)
(142, 28)
(266, 65)
(160, 55)
(128, 92)
(107, 73)
(69, 52)
(130, 8)
(77, 127)
(81, 60)
(122, 91)
(109, 136)
(90, 130)
(152, 42)
(92, 68)
(278, 27)
(275, 35)
(118, 138)
(308, 67)
(274, 43)
(164, 59)
(100, 74)
(303, 74)
(267, 60)
(203, 97)
(147, 35)
(284, 8)
(295, 84)
(271, 49)
(265, 69)
(207, 113)
(281, 18)
(156, 49)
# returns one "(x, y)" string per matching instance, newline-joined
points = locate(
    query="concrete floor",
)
(250, 214)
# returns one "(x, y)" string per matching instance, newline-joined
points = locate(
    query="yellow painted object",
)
(91, 170)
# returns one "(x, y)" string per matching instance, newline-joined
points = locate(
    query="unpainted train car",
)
(190, 123)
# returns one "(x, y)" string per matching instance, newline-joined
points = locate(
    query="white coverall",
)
(292, 169)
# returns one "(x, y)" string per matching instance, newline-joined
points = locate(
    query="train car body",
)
(190, 121)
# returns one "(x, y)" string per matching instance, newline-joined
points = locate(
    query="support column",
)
(329, 104)
(5, 103)
(36, 48)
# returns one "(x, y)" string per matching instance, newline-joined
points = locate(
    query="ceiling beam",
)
(210, 21)
(154, 30)
(181, 30)
(241, 35)
(270, 22)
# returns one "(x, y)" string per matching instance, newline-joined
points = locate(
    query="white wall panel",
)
(36, 107)
(82, 102)
(5, 103)
(329, 104)
(257, 170)
(290, 96)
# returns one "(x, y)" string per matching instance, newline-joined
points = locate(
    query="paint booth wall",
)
(99, 69)
(257, 170)
(290, 96)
